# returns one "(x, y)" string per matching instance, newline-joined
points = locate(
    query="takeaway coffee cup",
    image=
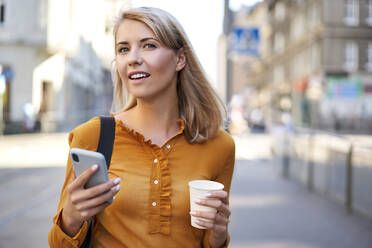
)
(198, 190)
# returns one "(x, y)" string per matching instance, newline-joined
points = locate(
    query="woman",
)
(167, 133)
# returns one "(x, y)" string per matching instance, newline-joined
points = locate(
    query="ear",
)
(181, 59)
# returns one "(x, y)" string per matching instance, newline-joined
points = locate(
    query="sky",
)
(202, 21)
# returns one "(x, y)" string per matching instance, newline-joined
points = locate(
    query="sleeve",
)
(57, 238)
(224, 177)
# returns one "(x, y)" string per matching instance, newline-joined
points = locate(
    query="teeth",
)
(139, 75)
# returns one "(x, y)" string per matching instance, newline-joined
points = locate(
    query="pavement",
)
(267, 210)
(271, 212)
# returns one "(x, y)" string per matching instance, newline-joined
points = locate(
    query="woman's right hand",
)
(83, 203)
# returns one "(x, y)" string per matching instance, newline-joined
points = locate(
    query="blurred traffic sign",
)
(7, 72)
(245, 41)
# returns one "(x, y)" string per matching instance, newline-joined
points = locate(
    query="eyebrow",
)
(142, 40)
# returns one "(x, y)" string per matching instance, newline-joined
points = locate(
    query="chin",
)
(146, 92)
(140, 95)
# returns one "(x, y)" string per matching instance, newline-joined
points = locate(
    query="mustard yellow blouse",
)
(152, 207)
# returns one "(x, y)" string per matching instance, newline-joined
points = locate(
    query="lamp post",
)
(2, 90)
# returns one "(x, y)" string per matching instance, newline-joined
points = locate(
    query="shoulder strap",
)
(105, 146)
(106, 137)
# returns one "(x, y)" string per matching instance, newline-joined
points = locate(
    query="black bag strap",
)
(106, 137)
(88, 238)
(105, 146)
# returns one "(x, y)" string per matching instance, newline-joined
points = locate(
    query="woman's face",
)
(147, 68)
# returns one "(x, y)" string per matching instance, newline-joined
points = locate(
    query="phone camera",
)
(75, 157)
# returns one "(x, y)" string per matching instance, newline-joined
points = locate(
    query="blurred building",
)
(246, 76)
(320, 64)
(223, 61)
(314, 63)
(55, 57)
(250, 77)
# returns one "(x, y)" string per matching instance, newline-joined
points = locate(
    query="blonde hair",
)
(199, 106)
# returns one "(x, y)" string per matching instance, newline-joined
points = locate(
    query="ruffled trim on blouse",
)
(138, 136)
(165, 191)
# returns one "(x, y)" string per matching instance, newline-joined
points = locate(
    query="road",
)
(267, 210)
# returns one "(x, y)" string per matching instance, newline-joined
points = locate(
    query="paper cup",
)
(198, 190)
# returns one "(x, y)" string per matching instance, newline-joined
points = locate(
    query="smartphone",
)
(84, 159)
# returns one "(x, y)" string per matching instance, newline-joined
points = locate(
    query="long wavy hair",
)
(200, 107)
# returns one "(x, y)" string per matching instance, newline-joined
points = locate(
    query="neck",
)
(158, 113)
(157, 116)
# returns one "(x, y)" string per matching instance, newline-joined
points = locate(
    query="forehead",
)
(131, 30)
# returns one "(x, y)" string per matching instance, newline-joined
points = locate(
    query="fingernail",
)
(94, 167)
(197, 221)
(117, 180)
(192, 212)
(117, 187)
(198, 201)
(208, 194)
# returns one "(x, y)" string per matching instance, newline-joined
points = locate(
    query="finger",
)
(204, 214)
(215, 217)
(93, 211)
(213, 203)
(82, 179)
(205, 224)
(216, 227)
(99, 200)
(219, 194)
(86, 194)
(102, 188)
(225, 210)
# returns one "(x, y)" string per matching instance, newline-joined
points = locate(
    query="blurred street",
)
(267, 210)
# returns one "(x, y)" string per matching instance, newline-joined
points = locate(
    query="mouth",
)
(138, 75)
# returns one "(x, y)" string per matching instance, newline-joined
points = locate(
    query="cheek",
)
(164, 65)
(121, 68)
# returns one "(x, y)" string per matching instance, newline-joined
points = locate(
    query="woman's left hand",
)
(219, 220)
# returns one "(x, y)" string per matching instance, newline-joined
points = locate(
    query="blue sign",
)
(344, 88)
(246, 41)
(8, 73)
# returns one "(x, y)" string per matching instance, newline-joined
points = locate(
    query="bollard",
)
(349, 181)
(310, 167)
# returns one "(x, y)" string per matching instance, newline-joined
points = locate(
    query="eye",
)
(149, 45)
(123, 49)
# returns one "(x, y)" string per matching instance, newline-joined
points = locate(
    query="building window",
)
(369, 57)
(279, 43)
(369, 17)
(315, 57)
(351, 56)
(2, 12)
(351, 12)
(297, 27)
(280, 11)
(313, 15)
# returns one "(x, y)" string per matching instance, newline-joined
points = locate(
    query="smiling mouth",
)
(139, 75)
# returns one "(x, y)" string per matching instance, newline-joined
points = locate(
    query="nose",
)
(135, 57)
